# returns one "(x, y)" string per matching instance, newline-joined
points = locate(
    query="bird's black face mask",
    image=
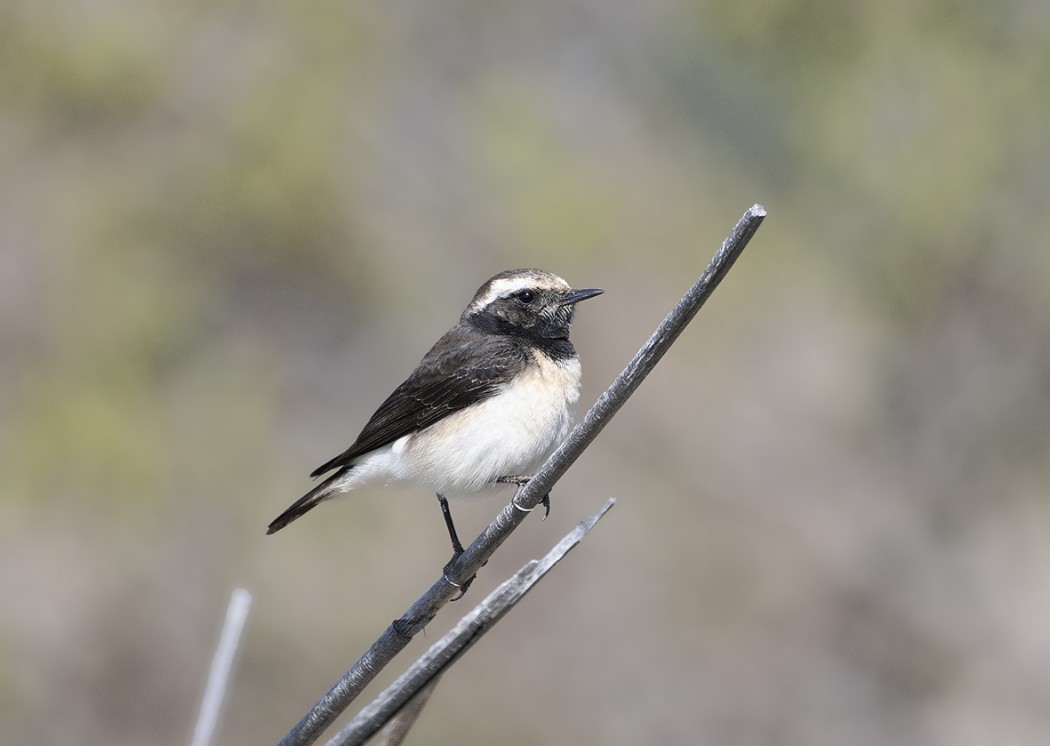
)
(534, 313)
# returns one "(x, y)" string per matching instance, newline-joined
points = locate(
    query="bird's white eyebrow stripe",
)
(505, 286)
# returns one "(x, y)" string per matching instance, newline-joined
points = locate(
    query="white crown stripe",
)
(505, 286)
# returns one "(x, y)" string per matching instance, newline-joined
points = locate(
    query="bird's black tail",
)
(308, 502)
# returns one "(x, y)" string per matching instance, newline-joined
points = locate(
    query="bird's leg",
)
(457, 548)
(521, 480)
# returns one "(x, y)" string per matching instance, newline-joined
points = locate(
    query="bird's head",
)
(529, 302)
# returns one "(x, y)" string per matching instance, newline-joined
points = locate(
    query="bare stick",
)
(469, 630)
(400, 632)
(397, 727)
(221, 666)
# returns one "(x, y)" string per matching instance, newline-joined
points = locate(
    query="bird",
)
(487, 404)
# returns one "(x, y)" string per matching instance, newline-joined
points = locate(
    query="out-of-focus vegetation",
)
(227, 230)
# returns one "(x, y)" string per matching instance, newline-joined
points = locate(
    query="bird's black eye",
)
(525, 296)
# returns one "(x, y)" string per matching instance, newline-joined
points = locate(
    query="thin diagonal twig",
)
(221, 667)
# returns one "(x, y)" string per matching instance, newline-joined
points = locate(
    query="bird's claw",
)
(464, 586)
(521, 481)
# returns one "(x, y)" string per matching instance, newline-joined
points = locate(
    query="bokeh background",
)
(228, 229)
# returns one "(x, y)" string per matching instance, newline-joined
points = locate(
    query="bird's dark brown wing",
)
(460, 370)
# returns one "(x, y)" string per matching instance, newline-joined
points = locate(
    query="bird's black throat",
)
(557, 348)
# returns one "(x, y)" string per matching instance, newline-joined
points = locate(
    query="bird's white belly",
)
(509, 434)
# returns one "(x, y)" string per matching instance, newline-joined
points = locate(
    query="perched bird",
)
(486, 405)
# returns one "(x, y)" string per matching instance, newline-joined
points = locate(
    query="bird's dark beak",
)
(577, 295)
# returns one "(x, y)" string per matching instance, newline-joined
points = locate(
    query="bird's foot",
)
(464, 586)
(521, 481)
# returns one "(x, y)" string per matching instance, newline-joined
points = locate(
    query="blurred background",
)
(227, 230)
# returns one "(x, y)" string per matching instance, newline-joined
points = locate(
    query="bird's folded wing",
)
(451, 377)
